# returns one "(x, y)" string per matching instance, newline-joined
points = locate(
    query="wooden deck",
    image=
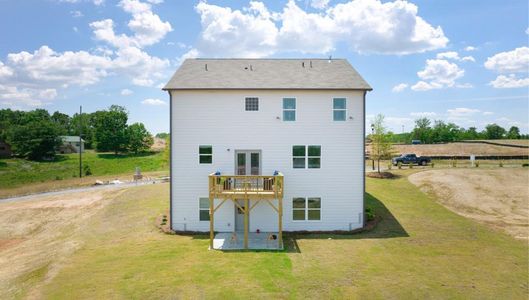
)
(251, 188)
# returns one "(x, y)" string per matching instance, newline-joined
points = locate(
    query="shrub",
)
(87, 170)
(454, 163)
(432, 164)
(501, 163)
(399, 165)
(525, 165)
(58, 177)
(389, 166)
(477, 164)
(370, 214)
(411, 166)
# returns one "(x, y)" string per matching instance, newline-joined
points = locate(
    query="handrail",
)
(244, 185)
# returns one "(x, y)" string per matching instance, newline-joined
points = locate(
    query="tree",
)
(162, 135)
(139, 139)
(422, 130)
(36, 140)
(494, 131)
(84, 125)
(381, 147)
(514, 133)
(111, 129)
(63, 121)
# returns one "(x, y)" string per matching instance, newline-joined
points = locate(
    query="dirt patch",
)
(458, 149)
(381, 175)
(498, 198)
(41, 234)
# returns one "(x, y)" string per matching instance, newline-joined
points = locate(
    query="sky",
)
(465, 62)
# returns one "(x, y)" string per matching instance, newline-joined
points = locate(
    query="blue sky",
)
(459, 61)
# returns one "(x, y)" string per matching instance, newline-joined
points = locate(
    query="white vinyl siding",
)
(225, 125)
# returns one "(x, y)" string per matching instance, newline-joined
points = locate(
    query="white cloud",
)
(155, 1)
(423, 114)
(76, 13)
(487, 113)
(126, 92)
(511, 81)
(462, 112)
(399, 87)
(75, 29)
(437, 74)
(319, 4)
(527, 30)
(155, 102)
(470, 48)
(5, 71)
(367, 26)
(455, 56)
(515, 61)
(48, 94)
(98, 2)
(147, 27)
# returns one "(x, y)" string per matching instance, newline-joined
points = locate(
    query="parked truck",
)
(411, 158)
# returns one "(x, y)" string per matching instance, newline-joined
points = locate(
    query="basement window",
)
(252, 104)
(205, 154)
(203, 209)
(306, 209)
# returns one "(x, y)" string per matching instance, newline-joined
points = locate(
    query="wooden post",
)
(280, 221)
(211, 224)
(246, 212)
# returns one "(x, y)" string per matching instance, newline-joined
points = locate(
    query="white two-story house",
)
(265, 146)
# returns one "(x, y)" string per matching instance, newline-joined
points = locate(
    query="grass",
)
(17, 172)
(418, 250)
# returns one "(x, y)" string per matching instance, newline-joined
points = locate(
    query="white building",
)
(304, 118)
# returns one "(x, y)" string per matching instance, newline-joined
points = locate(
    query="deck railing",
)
(247, 186)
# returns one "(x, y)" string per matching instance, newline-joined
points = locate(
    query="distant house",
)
(270, 136)
(71, 144)
(5, 149)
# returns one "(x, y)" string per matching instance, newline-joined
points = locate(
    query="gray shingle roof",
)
(266, 74)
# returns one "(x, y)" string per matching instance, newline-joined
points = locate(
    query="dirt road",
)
(498, 198)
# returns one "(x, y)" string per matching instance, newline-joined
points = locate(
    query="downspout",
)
(170, 160)
(364, 159)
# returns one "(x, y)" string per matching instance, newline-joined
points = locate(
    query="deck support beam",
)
(280, 222)
(211, 221)
(246, 213)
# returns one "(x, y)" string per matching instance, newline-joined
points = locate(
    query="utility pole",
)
(80, 141)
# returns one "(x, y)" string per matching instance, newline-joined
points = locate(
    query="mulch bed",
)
(381, 175)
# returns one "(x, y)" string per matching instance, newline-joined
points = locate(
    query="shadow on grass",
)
(387, 227)
(122, 156)
(3, 164)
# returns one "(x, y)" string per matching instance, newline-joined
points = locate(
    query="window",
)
(205, 154)
(338, 109)
(300, 159)
(289, 109)
(306, 209)
(203, 208)
(314, 158)
(252, 104)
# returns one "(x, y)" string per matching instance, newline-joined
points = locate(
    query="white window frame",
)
(200, 209)
(200, 155)
(245, 103)
(289, 109)
(306, 209)
(306, 157)
(339, 109)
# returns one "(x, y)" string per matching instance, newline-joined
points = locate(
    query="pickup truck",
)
(411, 158)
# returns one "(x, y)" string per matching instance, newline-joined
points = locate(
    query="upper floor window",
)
(205, 154)
(306, 157)
(289, 109)
(252, 104)
(339, 109)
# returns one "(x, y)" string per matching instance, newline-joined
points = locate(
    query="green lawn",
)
(16, 172)
(419, 250)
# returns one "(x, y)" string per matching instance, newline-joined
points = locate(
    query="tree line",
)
(36, 134)
(438, 131)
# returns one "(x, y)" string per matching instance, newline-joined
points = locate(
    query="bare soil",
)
(498, 198)
(459, 149)
(37, 236)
